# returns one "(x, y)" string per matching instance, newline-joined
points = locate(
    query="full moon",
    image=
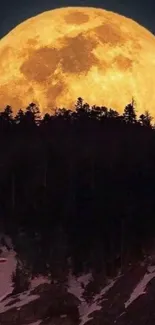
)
(62, 54)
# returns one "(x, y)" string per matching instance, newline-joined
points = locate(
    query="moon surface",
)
(59, 55)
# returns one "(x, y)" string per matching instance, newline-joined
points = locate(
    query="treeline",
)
(77, 188)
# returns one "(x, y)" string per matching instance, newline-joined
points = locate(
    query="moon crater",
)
(32, 41)
(41, 64)
(77, 56)
(76, 18)
(109, 34)
(123, 63)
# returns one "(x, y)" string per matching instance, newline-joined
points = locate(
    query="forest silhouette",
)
(77, 188)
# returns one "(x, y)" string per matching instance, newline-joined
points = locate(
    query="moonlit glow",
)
(59, 55)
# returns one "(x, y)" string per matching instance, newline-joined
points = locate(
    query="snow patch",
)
(151, 268)
(24, 297)
(76, 285)
(6, 269)
(140, 288)
(86, 310)
(63, 316)
(35, 282)
(85, 278)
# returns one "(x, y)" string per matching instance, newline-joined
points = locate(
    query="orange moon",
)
(59, 55)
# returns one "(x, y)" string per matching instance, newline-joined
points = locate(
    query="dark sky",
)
(12, 12)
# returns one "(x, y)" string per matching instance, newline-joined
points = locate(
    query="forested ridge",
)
(77, 188)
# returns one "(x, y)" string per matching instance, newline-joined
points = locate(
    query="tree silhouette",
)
(20, 278)
(6, 118)
(129, 113)
(19, 118)
(7, 114)
(112, 113)
(32, 114)
(145, 119)
(79, 104)
(78, 183)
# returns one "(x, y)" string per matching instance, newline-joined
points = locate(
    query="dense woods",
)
(77, 188)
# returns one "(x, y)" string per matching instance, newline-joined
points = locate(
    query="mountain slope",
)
(127, 299)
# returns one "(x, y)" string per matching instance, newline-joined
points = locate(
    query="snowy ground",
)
(76, 286)
(7, 267)
(87, 309)
(140, 288)
(24, 298)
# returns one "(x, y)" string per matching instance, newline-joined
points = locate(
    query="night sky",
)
(14, 12)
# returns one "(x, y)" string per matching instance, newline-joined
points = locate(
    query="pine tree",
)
(145, 119)
(129, 114)
(33, 114)
(79, 103)
(20, 278)
(19, 118)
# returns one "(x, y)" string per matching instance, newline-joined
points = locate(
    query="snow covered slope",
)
(7, 267)
(128, 299)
